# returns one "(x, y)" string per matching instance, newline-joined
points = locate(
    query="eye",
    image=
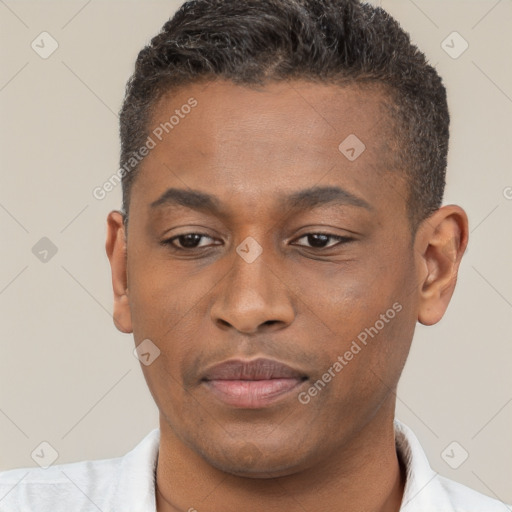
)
(198, 240)
(188, 241)
(321, 240)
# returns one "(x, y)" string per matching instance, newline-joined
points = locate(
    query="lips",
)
(252, 384)
(258, 369)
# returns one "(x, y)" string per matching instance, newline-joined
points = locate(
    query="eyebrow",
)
(301, 200)
(189, 198)
(319, 196)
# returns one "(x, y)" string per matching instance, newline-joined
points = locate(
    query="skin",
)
(298, 303)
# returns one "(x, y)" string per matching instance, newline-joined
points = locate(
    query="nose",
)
(253, 297)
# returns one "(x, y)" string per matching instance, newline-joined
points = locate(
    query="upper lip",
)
(256, 369)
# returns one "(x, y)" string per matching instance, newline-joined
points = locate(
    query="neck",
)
(364, 474)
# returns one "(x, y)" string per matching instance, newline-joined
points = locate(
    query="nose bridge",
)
(252, 294)
(251, 277)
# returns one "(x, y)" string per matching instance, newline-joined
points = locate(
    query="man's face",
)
(336, 273)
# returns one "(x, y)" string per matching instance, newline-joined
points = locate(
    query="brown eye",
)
(187, 241)
(321, 240)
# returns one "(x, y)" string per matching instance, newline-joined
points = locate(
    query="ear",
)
(440, 243)
(116, 252)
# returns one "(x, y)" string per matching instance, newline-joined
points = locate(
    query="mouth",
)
(252, 384)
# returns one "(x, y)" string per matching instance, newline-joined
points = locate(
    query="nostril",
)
(223, 323)
(270, 322)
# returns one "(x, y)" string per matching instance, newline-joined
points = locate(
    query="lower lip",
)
(252, 394)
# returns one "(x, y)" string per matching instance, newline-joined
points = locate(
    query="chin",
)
(250, 462)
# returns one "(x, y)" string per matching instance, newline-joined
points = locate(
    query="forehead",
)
(284, 136)
(300, 111)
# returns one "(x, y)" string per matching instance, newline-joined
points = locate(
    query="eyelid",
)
(169, 241)
(340, 238)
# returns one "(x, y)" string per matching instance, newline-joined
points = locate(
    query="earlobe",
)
(441, 245)
(115, 247)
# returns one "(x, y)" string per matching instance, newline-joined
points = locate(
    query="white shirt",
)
(127, 484)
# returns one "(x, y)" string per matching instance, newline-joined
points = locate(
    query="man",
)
(283, 166)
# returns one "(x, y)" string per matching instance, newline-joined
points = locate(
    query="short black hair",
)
(328, 41)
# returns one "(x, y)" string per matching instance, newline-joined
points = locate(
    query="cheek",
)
(343, 298)
(170, 309)
(162, 297)
(365, 319)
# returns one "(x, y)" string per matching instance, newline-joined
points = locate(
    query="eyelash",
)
(341, 240)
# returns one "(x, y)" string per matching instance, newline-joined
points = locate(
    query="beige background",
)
(68, 377)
